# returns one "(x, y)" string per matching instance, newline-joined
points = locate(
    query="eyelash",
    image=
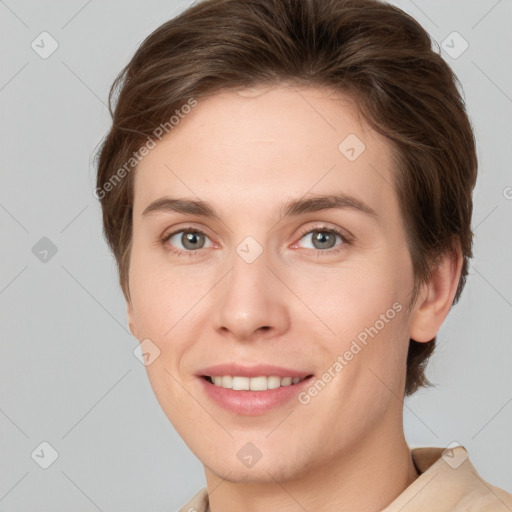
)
(189, 229)
(319, 252)
(333, 250)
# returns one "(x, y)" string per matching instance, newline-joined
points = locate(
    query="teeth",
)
(254, 383)
(225, 382)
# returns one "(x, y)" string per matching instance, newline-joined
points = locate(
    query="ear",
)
(436, 296)
(131, 318)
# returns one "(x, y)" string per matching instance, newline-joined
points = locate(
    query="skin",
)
(296, 305)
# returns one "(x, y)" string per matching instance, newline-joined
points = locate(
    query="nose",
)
(251, 301)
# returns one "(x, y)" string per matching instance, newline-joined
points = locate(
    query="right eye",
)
(186, 240)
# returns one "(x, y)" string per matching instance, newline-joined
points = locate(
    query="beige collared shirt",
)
(447, 482)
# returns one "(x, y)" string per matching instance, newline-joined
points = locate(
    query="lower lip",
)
(251, 403)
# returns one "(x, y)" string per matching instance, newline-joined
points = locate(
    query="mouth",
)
(254, 396)
(259, 383)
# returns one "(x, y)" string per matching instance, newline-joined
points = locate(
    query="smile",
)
(253, 396)
(261, 383)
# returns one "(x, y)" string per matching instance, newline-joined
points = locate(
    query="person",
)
(287, 189)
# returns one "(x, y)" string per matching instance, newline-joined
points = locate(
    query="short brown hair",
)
(367, 49)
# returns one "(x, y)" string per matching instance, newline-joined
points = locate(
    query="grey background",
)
(68, 374)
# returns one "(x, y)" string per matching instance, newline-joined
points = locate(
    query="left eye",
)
(323, 238)
(190, 240)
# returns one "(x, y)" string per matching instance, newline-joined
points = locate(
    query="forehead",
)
(272, 144)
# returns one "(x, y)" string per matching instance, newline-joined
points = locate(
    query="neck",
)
(366, 479)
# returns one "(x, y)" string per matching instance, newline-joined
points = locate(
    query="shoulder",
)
(482, 496)
(198, 503)
(448, 481)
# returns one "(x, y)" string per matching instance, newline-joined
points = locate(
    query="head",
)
(248, 109)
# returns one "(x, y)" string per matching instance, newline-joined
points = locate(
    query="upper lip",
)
(259, 370)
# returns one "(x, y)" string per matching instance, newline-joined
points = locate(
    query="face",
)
(272, 275)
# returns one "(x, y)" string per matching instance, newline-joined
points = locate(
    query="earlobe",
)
(131, 319)
(436, 297)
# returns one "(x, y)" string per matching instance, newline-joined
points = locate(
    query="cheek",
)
(162, 296)
(353, 296)
(364, 306)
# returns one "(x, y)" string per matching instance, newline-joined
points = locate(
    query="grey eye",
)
(189, 240)
(322, 239)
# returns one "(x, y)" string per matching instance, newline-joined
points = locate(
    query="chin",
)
(272, 471)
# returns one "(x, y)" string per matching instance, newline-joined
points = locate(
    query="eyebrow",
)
(289, 209)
